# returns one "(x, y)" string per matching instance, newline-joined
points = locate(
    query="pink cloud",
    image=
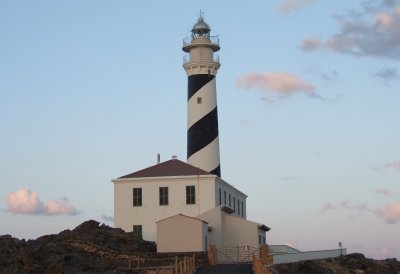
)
(393, 165)
(62, 207)
(345, 204)
(328, 206)
(24, 201)
(279, 84)
(310, 44)
(383, 191)
(390, 213)
(291, 5)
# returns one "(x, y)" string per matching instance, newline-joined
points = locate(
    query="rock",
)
(88, 248)
(349, 264)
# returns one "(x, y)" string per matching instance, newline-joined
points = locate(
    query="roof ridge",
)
(172, 167)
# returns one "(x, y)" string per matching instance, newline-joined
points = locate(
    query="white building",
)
(283, 254)
(166, 189)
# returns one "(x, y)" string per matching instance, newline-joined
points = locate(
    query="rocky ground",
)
(89, 248)
(350, 264)
(95, 248)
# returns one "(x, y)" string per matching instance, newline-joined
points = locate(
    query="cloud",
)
(393, 165)
(345, 205)
(383, 191)
(328, 206)
(390, 213)
(289, 178)
(106, 218)
(62, 207)
(330, 76)
(291, 5)
(375, 31)
(276, 84)
(387, 74)
(310, 44)
(374, 168)
(24, 201)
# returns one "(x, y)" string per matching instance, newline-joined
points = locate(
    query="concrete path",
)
(226, 269)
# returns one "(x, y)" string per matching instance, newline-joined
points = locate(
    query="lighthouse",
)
(201, 65)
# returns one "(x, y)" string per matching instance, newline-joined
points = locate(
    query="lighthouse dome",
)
(201, 27)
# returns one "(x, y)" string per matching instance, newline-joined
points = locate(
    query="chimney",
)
(158, 158)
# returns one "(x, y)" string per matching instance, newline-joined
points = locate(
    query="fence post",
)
(212, 254)
(185, 264)
(263, 254)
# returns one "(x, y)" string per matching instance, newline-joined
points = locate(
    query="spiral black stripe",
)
(203, 132)
(196, 82)
(216, 171)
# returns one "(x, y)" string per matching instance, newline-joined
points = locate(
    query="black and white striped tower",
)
(201, 65)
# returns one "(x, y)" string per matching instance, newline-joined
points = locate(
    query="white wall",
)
(309, 255)
(215, 223)
(181, 234)
(239, 232)
(235, 195)
(229, 229)
(126, 215)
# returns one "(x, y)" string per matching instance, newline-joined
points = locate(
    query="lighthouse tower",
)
(201, 66)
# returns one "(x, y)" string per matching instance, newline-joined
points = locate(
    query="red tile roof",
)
(172, 167)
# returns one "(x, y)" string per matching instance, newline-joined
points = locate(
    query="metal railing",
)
(236, 254)
(211, 39)
(187, 59)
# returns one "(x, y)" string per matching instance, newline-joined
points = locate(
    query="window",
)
(230, 200)
(225, 197)
(137, 230)
(220, 198)
(234, 204)
(242, 209)
(163, 195)
(199, 100)
(190, 195)
(238, 211)
(137, 196)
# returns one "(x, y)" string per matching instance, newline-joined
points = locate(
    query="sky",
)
(308, 105)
